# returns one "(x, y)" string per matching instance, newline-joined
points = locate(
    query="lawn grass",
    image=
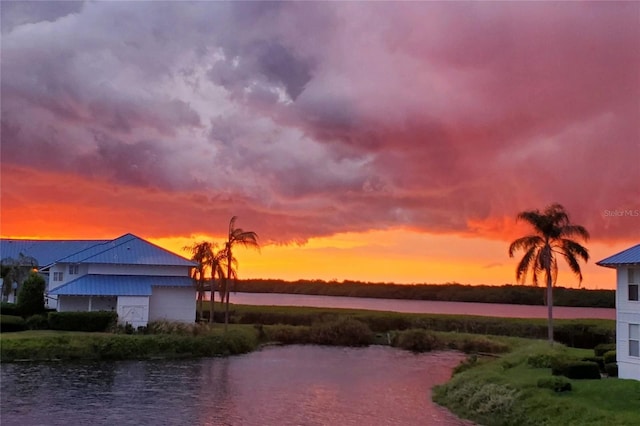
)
(504, 392)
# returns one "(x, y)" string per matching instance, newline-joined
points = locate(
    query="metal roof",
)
(630, 256)
(118, 285)
(44, 251)
(127, 250)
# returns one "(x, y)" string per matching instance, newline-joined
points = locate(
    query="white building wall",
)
(627, 312)
(73, 303)
(157, 270)
(173, 304)
(104, 303)
(133, 310)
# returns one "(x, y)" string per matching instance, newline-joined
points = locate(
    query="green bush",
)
(603, 348)
(611, 369)
(82, 321)
(597, 359)
(37, 322)
(540, 360)
(287, 334)
(609, 357)
(556, 384)
(11, 323)
(483, 345)
(575, 369)
(417, 340)
(7, 308)
(341, 332)
(31, 296)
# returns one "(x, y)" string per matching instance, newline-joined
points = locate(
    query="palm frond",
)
(570, 247)
(525, 243)
(575, 231)
(525, 264)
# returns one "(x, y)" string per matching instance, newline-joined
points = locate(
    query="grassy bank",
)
(506, 391)
(586, 333)
(48, 345)
(255, 325)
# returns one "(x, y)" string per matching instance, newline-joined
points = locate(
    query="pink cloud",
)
(312, 119)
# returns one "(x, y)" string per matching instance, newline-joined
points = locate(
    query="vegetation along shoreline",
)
(507, 294)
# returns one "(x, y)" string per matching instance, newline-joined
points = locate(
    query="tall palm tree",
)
(201, 253)
(237, 236)
(552, 237)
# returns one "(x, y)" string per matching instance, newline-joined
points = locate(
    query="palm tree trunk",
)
(211, 301)
(226, 285)
(200, 301)
(549, 306)
(226, 309)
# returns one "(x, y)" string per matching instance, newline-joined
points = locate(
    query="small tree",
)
(15, 271)
(31, 296)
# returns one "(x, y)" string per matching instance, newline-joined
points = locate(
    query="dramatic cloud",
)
(310, 119)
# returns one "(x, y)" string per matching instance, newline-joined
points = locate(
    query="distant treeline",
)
(511, 294)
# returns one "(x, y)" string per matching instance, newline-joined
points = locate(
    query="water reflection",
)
(291, 385)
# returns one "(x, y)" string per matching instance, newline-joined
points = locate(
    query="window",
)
(633, 284)
(73, 269)
(57, 276)
(634, 340)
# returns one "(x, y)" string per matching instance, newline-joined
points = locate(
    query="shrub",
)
(341, 332)
(482, 344)
(556, 383)
(37, 322)
(575, 369)
(581, 335)
(175, 327)
(417, 340)
(82, 321)
(287, 334)
(540, 360)
(603, 348)
(611, 369)
(609, 357)
(7, 308)
(11, 323)
(597, 359)
(31, 296)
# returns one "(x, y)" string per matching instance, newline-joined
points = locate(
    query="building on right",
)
(627, 266)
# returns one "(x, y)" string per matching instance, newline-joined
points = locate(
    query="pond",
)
(285, 385)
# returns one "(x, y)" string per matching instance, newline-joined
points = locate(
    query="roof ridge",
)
(100, 252)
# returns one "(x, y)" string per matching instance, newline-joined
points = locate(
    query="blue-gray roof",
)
(630, 256)
(44, 251)
(125, 250)
(118, 285)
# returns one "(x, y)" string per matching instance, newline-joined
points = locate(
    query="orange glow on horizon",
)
(397, 256)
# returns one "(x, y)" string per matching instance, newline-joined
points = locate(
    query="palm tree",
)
(201, 253)
(552, 237)
(216, 263)
(243, 238)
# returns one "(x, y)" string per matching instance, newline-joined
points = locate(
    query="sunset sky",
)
(383, 142)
